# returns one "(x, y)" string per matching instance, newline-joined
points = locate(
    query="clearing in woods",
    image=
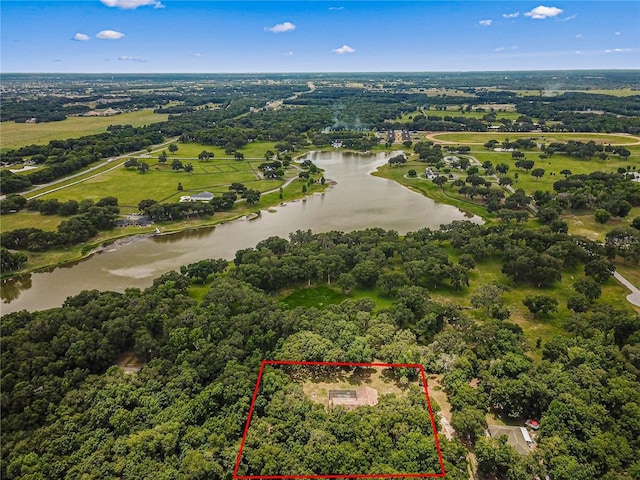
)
(351, 388)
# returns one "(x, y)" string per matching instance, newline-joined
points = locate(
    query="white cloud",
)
(571, 17)
(336, 8)
(288, 54)
(132, 4)
(81, 37)
(281, 27)
(343, 49)
(542, 12)
(618, 33)
(197, 55)
(618, 50)
(109, 35)
(511, 15)
(127, 58)
(579, 35)
(485, 23)
(502, 49)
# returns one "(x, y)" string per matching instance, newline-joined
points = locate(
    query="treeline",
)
(78, 229)
(552, 106)
(47, 109)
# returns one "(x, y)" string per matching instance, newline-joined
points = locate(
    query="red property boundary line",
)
(417, 366)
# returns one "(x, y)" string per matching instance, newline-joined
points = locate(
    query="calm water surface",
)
(358, 200)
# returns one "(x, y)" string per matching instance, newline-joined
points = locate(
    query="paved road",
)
(634, 296)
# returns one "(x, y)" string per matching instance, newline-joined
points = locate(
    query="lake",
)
(357, 201)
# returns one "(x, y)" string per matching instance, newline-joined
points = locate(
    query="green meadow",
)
(548, 137)
(15, 135)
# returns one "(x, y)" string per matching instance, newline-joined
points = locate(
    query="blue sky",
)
(157, 36)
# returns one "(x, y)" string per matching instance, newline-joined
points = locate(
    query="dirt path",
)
(436, 393)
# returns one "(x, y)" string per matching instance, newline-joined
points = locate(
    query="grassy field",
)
(161, 183)
(317, 296)
(470, 138)
(14, 135)
(253, 150)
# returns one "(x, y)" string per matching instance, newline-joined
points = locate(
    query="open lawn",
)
(14, 135)
(25, 219)
(253, 150)
(314, 296)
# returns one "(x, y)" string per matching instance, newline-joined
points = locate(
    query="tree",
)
(525, 164)
(176, 164)
(542, 304)
(538, 172)
(366, 273)
(69, 208)
(495, 457)
(162, 158)
(143, 167)
(487, 296)
(131, 163)
(504, 181)
(440, 180)
(578, 303)
(502, 168)
(565, 172)
(346, 282)
(252, 196)
(599, 269)
(390, 282)
(238, 155)
(173, 148)
(459, 277)
(602, 216)
(588, 287)
(11, 261)
(188, 168)
(397, 160)
(469, 424)
(204, 155)
(202, 269)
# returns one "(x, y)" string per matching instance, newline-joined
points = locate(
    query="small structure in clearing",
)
(350, 399)
(517, 437)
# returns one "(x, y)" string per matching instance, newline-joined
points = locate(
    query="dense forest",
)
(69, 412)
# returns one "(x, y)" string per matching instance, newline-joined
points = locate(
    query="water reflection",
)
(10, 289)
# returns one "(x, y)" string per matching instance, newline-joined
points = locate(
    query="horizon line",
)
(327, 72)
